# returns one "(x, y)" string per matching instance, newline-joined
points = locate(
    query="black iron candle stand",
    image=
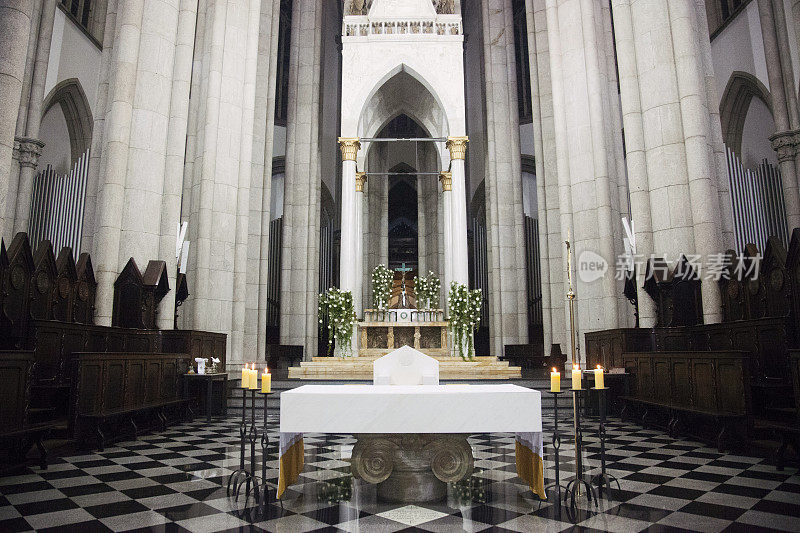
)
(263, 498)
(556, 445)
(238, 476)
(244, 476)
(574, 486)
(603, 479)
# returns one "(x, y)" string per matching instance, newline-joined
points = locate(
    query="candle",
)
(254, 377)
(576, 377)
(245, 376)
(598, 378)
(555, 381)
(266, 381)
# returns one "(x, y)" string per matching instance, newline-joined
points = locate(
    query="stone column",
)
(504, 212)
(349, 260)
(15, 25)
(783, 139)
(34, 118)
(175, 151)
(300, 261)
(458, 216)
(123, 69)
(446, 179)
(670, 135)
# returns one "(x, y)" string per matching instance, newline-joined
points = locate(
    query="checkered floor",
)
(174, 481)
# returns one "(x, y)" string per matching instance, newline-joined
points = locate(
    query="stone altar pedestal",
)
(411, 468)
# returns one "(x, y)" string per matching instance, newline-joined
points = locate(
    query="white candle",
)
(266, 381)
(598, 378)
(245, 376)
(576, 377)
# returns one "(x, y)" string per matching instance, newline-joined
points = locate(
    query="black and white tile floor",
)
(174, 481)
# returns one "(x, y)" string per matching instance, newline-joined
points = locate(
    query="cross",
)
(403, 269)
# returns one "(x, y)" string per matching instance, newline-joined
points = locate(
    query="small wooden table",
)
(221, 377)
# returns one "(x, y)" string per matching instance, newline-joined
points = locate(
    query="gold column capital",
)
(349, 146)
(361, 178)
(457, 147)
(446, 178)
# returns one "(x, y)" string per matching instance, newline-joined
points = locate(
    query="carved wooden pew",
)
(195, 343)
(606, 347)
(17, 429)
(128, 390)
(704, 385)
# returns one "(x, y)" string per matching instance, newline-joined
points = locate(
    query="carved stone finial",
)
(350, 147)
(446, 179)
(457, 147)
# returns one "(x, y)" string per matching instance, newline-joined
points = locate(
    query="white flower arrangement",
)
(337, 306)
(464, 307)
(382, 281)
(427, 290)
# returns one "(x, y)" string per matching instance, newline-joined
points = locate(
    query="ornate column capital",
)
(786, 144)
(446, 179)
(457, 147)
(349, 147)
(361, 178)
(27, 151)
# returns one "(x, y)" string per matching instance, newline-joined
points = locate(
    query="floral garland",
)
(464, 307)
(382, 281)
(427, 290)
(337, 306)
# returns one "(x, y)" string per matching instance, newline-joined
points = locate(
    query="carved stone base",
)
(411, 468)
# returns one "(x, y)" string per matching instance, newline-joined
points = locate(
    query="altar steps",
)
(279, 385)
(360, 368)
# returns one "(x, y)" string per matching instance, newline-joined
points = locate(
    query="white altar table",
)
(418, 409)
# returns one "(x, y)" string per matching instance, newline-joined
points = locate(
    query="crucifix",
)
(403, 297)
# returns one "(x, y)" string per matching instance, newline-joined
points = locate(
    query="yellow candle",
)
(245, 376)
(598, 378)
(266, 381)
(555, 381)
(576, 377)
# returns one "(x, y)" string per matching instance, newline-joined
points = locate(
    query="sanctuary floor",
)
(174, 481)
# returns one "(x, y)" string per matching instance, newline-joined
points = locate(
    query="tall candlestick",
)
(599, 382)
(576, 377)
(555, 381)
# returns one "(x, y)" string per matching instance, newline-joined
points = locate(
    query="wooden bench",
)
(128, 388)
(686, 384)
(17, 431)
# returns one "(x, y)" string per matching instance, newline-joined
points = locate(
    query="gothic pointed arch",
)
(69, 94)
(741, 89)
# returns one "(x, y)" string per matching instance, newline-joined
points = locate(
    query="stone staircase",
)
(282, 384)
(360, 368)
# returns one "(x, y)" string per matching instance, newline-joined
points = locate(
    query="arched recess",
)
(739, 92)
(70, 96)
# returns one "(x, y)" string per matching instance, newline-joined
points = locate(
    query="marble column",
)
(300, 260)
(33, 122)
(358, 231)
(15, 25)
(349, 259)
(458, 214)
(446, 179)
(783, 140)
(504, 212)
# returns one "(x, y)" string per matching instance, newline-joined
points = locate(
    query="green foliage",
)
(337, 306)
(382, 281)
(427, 290)
(464, 307)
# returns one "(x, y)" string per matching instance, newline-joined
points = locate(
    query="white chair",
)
(405, 366)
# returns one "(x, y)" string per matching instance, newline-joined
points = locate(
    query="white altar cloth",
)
(502, 408)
